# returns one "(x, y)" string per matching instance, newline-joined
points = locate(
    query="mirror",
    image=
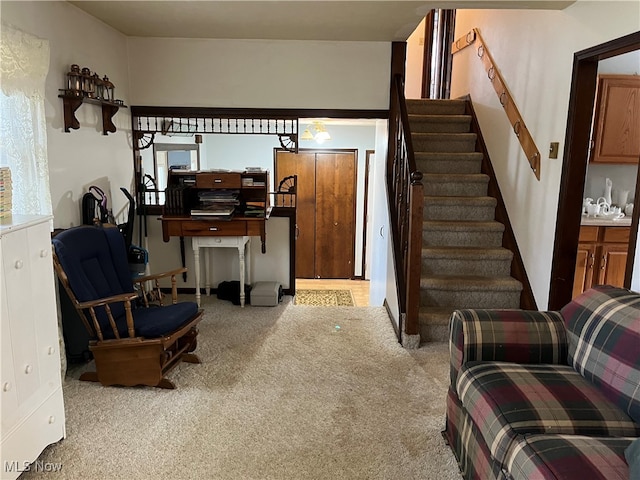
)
(167, 156)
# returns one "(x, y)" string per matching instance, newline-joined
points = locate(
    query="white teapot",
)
(604, 205)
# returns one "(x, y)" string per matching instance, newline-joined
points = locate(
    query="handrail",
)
(506, 99)
(406, 197)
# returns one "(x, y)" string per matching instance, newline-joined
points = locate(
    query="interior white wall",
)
(259, 73)
(81, 157)
(413, 68)
(534, 51)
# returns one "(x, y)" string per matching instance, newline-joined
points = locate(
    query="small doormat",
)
(324, 298)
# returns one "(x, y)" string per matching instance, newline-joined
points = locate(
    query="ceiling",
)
(359, 20)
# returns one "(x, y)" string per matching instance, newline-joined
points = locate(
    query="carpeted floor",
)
(285, 392)
(324, 298)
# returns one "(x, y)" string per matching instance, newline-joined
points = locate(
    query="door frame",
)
(574, 169)
(354, 151)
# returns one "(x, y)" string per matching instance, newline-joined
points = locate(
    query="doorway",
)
(326, 210)
(576, 154)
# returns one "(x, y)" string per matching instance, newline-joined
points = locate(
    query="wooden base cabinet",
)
(601, 258)
(31, 396)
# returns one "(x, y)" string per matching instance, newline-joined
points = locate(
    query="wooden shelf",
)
(72, 103)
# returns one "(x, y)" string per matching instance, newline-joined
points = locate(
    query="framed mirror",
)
(167, 156)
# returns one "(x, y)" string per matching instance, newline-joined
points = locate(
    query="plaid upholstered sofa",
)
(547, 395)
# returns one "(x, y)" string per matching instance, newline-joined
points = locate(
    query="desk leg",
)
(241, 258)
(182, 256)
(207, 281)
(196, 259)
(248, 262)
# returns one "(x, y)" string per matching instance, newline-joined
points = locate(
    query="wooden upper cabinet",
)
(616, 134)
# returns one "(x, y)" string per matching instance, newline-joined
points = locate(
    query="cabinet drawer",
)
(41, 427)
(616, 235)
(204, 228)
(218, 180)
(588, 234)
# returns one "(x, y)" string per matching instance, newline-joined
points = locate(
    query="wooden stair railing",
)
(406, 196)
(506, 100)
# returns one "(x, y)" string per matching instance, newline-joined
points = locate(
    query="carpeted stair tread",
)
(456, 184)
(456, 233)
(457, 225)
(456, 177)
(463, 253)
(440, 123)
(467, 261)
(443, 142)
(436, 107)
(459, 200)
(452, 162)
(470, 283)
(435, 315)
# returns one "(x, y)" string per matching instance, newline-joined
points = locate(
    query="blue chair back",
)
(96, 264)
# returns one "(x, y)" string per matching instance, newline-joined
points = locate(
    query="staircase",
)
(463, 262)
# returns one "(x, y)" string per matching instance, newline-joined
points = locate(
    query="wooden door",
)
(617, 122)
(304, 166)
(325, 213)
(335, 215)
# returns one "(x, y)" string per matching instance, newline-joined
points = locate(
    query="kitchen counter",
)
(605, 222)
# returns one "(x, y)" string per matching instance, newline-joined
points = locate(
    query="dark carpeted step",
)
(456, 162)
(465, 291)
(439, 123)
(443, 142)
(462, 233)
(436, 107)
(434, 323)
(486, 262)
(459, 208)
(456, 184)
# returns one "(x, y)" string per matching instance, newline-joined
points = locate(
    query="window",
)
(24, 64)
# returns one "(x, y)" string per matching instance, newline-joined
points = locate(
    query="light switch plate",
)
(553, 149)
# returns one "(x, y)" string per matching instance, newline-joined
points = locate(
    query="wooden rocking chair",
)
(133, 342)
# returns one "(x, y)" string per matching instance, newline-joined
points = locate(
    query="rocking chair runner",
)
(133, 342)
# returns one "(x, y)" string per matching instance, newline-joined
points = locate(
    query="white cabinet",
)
(31, 384)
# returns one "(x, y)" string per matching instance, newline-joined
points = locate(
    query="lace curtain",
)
(24, 64)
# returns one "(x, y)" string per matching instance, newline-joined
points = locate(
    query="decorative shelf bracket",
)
(72, 103)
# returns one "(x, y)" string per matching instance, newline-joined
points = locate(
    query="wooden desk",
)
(190, 194)
(242, 243)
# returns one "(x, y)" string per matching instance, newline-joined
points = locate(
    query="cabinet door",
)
(302, 164)
(584, 268)
(617, 121)
(613, 263)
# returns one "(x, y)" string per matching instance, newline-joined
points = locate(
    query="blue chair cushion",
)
(155, 321)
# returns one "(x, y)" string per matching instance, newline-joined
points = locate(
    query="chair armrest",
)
(518, 336)
(123, 297)
(156, 276)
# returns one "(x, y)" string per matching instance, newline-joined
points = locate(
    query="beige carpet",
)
(324, 298)
(285, 392)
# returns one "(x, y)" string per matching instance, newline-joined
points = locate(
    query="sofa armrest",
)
(519, 336)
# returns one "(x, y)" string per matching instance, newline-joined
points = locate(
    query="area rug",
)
(324, 298)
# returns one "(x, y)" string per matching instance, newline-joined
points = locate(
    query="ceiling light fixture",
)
(317, 132)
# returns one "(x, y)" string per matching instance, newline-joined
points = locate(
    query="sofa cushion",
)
(603, 331)
(568, 457)
(506, 400)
